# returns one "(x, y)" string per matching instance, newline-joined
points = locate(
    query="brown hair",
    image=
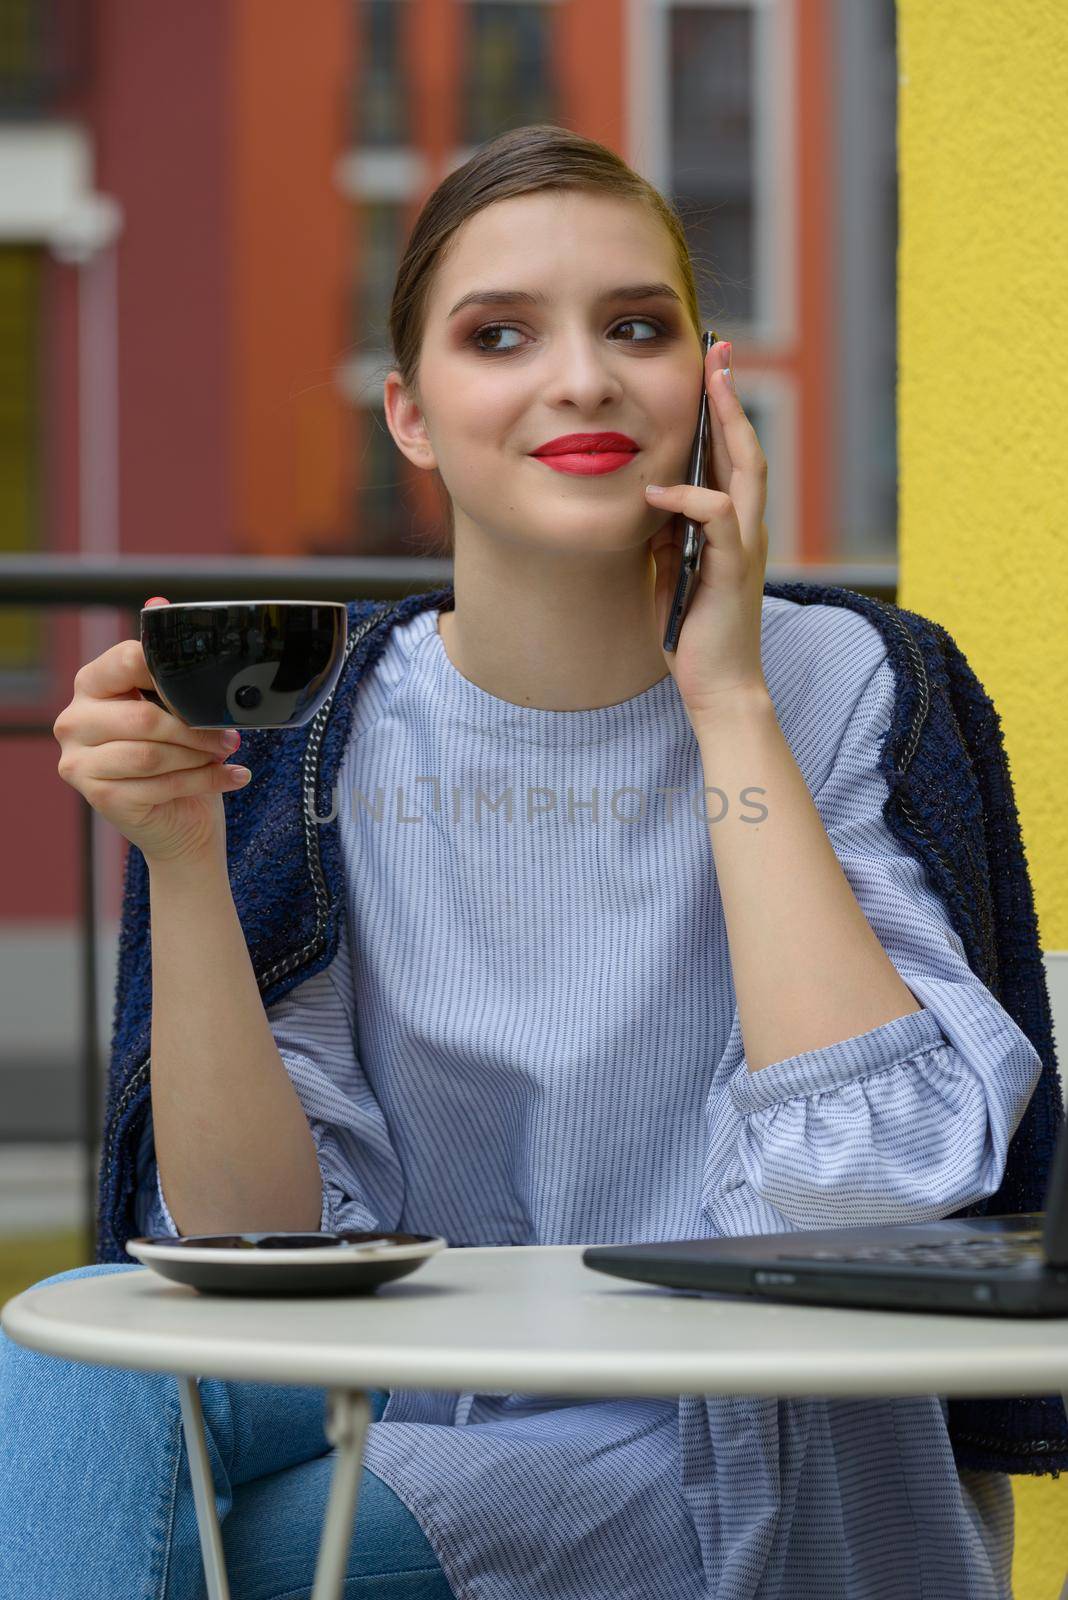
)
(521, 161)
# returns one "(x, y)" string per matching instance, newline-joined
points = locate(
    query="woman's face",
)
(583, 359)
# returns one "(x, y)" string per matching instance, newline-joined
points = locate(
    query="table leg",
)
(348, 1415)
(211, 1545)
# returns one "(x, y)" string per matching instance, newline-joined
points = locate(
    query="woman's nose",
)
(581, 372)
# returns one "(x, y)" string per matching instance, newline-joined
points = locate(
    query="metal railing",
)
(126, 583)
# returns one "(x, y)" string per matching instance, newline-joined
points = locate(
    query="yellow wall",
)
(983, 424)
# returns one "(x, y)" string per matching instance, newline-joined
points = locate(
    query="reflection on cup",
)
(245, 663)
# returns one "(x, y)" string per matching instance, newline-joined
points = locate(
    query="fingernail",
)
(238, 775)
(231, 738)
(729, 378)
(654, 488)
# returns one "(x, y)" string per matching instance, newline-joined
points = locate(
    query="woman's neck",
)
(582, 640)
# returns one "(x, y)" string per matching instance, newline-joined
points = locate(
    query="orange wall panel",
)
(588, 51)
(289, 273)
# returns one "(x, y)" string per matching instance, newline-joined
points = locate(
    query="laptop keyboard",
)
(972, 1254)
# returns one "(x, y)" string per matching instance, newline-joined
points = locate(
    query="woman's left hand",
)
(718, 650)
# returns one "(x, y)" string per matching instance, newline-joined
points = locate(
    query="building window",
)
(710, 132)
(508, 69)
(866, 88)
(21, 476)
(378, 496)
(381, 103)
(381, 237)
(43, 54)
(390, 519)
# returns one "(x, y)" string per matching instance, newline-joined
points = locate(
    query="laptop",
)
(1009, 1266)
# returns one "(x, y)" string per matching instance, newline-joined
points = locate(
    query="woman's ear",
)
(405, 421)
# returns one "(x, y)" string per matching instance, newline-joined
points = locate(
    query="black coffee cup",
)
(244, 663)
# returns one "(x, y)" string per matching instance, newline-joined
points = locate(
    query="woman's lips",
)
(588, 463)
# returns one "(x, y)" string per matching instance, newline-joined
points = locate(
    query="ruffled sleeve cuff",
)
(891, 1126)
(843, 1062)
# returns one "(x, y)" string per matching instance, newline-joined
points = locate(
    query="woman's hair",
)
(522, 161)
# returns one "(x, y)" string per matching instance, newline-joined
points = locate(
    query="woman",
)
(567, 1005)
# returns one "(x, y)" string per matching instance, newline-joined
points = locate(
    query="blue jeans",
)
(96, 1498)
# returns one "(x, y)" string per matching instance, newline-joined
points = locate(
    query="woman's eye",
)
(505, 327)
(633, 322)
(492, 327)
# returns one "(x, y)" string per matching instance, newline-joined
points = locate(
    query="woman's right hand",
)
(159, 782)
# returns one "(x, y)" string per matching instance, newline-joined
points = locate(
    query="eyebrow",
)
(525, 297)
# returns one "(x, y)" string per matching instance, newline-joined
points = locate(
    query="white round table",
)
(529, 1319)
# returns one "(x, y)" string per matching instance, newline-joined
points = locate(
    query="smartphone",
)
(693, 532)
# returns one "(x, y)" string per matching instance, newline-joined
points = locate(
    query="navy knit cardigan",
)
(950, 804)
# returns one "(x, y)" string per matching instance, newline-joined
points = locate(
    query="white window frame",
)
(774, 199)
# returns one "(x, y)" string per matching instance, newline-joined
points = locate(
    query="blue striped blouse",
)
(529, 1036)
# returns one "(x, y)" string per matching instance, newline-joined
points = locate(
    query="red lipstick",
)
(587, 454)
